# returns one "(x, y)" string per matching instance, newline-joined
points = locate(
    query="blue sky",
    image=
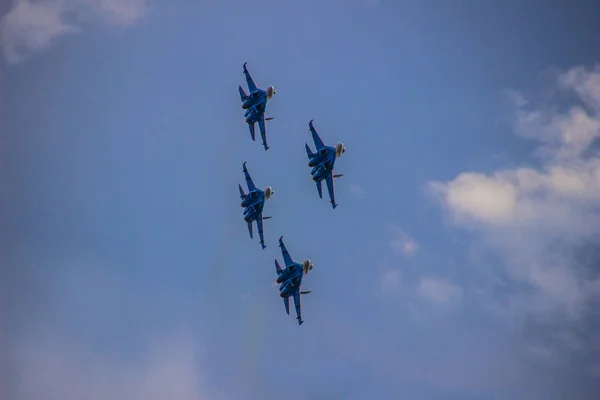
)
(461, 263)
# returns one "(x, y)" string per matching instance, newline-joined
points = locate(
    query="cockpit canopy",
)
(269, 192)
(270, 92)
(340, 149)
(307, 266)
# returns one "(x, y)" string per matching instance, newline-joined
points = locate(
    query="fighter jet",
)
(290, 279)
(253, 204)
(322, 162)
(255, 105)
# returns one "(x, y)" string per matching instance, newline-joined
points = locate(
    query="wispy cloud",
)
(356, 190)
(403, 243)
(439, 291)
(391, 281)
(536, 219)
(31, 27)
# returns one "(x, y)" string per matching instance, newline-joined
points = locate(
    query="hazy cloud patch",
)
(391, 281)
(356, 190)
(403, 243)
(32, 27)
(439, 291)
(53, 369)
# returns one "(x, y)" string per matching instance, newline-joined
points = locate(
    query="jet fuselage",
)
(322, 163)
(255, 105)
(290, 278)
(253, 204)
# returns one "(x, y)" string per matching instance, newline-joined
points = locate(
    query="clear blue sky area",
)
(128, 272)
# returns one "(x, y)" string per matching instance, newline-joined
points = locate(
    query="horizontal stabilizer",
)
(250, 228)
(309, 152)
(338, 176)
(242, 194)
(300, 322)
(267, 217)
(278, 267)
(243, 94)
(269, 119)
(306, 292)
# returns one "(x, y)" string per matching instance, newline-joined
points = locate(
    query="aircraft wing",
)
(259, 225)
(286, 256)
(263, 130)
(249, 181)
(251, 86)
(316, 138)
(330, 188)
(297, 305)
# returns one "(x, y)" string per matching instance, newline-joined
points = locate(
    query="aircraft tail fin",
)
(242, 194)
(309, 152)
(243, 94)
(278, 267)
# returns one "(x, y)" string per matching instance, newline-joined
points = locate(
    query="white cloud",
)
(56, 369)
(402, 243)
(439, 291)
(33, 26)
(531, 219)
(476, 196)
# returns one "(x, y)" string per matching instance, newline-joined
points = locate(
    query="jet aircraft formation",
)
(321, 161)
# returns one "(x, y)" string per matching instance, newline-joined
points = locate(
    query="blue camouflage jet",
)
(290, 279)
(255, 105)
(322, 162)
(253, 204)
